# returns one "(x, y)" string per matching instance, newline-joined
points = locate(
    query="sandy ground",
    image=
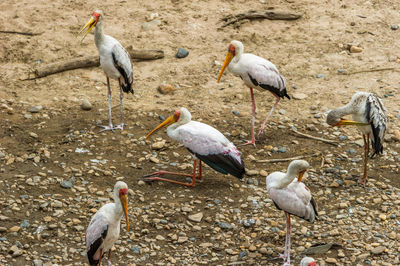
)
(312, 53)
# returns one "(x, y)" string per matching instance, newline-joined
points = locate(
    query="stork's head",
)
(334, 119)
(299, 167)
(96, 17)
(181, 116)
(234, 48)
(121, 190)
(308, 261)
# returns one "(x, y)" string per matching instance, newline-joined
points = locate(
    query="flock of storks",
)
(211, 147)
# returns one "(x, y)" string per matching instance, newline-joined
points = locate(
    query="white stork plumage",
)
(369, 115)
(114, 60)
(256, 72)
(308, 261)
(293, 197)
(207, 144)
(104, 227)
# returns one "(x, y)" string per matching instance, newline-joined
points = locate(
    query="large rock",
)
(196, 217)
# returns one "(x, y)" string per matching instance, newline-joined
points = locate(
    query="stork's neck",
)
(99, 34)
(238, 54)
(342, 111)
(286, 179)
(118, 211)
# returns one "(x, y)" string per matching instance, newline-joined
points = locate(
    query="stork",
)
(256, 72)
(369, 116)
(115, 62)
(205, 143)
(293, 197)
(104, 227)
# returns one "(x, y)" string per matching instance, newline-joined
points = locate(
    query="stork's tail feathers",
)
(377, 146)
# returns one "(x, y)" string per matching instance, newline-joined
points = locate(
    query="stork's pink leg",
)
(110, 124)
(121, 96)
(269, 114)
(253, 118)
(109, 258)
(199, 176)
(101, 256)
(366, 152)
(156, 176)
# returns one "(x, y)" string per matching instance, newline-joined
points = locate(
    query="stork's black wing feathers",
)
(375, 114)
(281, 93)
(95, 246)
(122, 63)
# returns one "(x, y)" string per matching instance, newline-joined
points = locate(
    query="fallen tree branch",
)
(91, 61)
(332, 142)
(259, 14)
(286, 159)
(368, 70)
(20, 32)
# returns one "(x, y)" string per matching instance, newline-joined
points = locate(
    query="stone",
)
(378, 250)
(35, 109)
(33, 135)
(66, 184)
(158, 145)
(14, 229)
(160, 238)
(225, 226)
(299, 96)
(251, 172)
(182, 239)
(24, 224)
(196, 217)
(395, 27)
(331, 260)
(86, 105)
(37, 262)
(182, 53)
(355, 49)
(165, 89)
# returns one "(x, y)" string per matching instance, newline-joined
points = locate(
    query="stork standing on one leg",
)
(293, 197)
(104, 227)
(114, 60)
(256, 72)
(207, 144)
(369, 116)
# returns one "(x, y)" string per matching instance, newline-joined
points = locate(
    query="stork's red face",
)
(312, 263)
(123, 196)
(90, 24)
(228, 58)
(169, 121)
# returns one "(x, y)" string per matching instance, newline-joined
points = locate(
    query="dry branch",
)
(19, 32)
(332, 142)
(91, 61)
(259, 14)
(369, 70)
(286, 159)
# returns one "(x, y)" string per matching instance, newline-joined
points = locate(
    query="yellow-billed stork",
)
(104, 227)
(293, 197)
(369, 116)
(207, 144)
(114, 60)
(308, 261)
(256, 72)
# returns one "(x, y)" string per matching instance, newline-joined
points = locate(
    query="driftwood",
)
(92, 61)
(19, 32)
(332, 142)
(368, 70)
(259, 14)
(286, 159)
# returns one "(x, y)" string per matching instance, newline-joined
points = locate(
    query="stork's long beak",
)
(228, 59)
(344, 122)
(124, 202)
(170, 120)
(301, 174)
(91, 23)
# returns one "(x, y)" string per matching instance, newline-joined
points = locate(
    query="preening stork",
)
(104, 227)
(308, 261)
(369, 116)
(256, 72)
(207, 144)
(293, 197)
(114, 60)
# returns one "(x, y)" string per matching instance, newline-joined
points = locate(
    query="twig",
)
(91, 61)
(332, 142)
(259, 14)
(368, 70)
(20, 32)
(286, 159)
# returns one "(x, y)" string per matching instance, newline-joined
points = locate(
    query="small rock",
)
(86, 105)
(165, 89)
(24, 224)
(251, 172)
(35, 109)
(355, 49)
(225, 225)
(158, 145)
(382, 217)
(66, 184)
(37, 262)
(331, 260)
(182, 53)
(151, 24)
(196, 217)
(160, 238)
(395, 27)
(182, 239)
(318, 76)
(378, 250)
(282, 149)
(14, 229)
(299, 96)
(33, 135)
(154, 160)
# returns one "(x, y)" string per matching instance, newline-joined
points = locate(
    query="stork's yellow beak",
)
(124, 202)
(301, 174)
(228, 59)
(169, 121)
(90, 25)
(344, 122)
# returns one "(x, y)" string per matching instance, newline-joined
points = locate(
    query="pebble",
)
(355, 49)
(282, 149)
(86, 105)
(395, 27)
(14, 229)
(318, 76)
(66, 184)
(224, 225)
(151, 24)
(165, 89)
(158, 145)
(299, 96)
(196, 217)
(182, 53)
(37, 262)
(331, 260)
(378, 250)
(35, 109)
